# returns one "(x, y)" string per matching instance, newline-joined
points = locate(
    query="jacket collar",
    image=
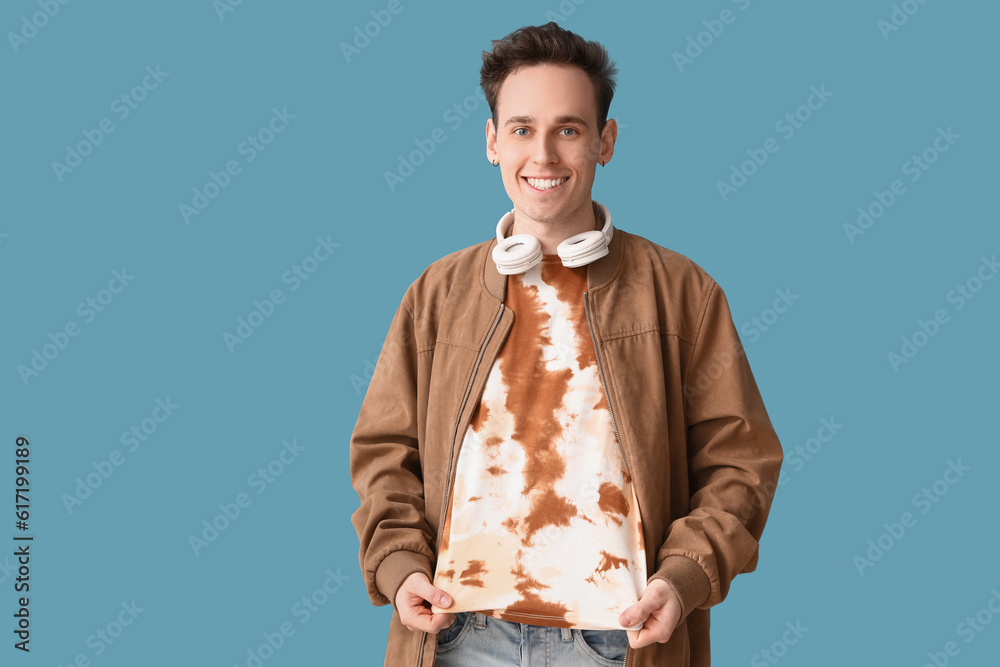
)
(599, 272)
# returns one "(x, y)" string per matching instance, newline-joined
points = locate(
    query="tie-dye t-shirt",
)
(543, 525)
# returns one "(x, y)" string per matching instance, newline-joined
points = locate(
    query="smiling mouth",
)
(544, 184)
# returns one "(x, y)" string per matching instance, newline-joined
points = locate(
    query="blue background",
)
(301, 374)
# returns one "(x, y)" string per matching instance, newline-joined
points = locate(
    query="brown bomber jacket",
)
(695, 435)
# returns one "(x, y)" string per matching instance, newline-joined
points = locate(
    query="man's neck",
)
(551, 235)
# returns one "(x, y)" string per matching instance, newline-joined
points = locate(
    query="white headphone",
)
(520, 252)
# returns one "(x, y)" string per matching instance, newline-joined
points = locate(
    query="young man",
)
(562, 457)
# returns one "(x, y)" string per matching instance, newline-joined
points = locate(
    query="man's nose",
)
(544, 149)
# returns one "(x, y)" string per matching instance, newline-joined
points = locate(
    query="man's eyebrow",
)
(560, 120)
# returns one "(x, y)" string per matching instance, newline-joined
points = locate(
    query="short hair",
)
(549, 43)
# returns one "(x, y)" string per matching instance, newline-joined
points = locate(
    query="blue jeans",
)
(483, 641)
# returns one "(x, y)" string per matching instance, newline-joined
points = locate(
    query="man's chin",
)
(542, 214)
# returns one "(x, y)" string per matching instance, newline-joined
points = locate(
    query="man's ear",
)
(608, 138)
(491, 141)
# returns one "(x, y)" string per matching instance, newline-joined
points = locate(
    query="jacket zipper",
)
(607, 398)
(451, 453)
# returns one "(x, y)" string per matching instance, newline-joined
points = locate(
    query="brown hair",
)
(549, 43)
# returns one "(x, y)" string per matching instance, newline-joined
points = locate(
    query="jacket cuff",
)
(395, 568)
(689, 581)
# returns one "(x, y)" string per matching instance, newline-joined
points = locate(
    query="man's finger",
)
(654, 597)
(654, 630)
(441, 621)
(424, 621)
(436, 596)
(639, 612)
(639, 638)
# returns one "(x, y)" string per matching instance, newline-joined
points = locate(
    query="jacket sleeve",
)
(385, 468)
(734, 458)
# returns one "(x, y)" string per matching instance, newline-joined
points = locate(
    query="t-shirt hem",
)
(586, 623)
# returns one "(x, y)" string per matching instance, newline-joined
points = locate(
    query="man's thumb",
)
(436, 596)
(633, 615)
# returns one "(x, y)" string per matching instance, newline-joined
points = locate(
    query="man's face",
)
(547, 117)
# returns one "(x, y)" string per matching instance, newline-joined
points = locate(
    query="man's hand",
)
(413, 600)
(660, 608)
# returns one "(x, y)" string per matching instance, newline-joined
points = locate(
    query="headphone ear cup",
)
(583, 248)
(517, 253)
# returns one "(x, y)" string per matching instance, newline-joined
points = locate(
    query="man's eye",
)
(571, 130)
(519, 130)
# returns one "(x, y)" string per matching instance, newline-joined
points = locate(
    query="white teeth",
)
(545, 183)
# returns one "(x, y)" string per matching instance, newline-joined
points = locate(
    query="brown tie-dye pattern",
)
(445, 535)
(522, 493)
(608, 562)
(612, 502)
(470, 575)
(479, 417)
(531, 603)
(570, 284)
(547, 509)
(534, 393)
